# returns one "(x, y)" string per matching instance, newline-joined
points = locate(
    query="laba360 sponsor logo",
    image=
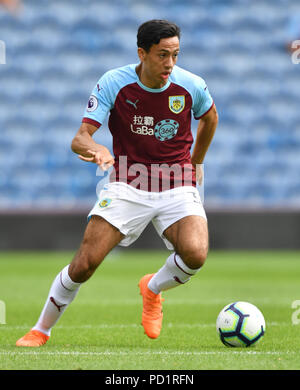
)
(142, 125)
(164, 130)
(143, 130)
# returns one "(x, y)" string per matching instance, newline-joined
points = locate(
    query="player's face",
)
(158, 62)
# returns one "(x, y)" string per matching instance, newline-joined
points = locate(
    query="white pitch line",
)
(185, 302)
(136, 353)
(124, 326)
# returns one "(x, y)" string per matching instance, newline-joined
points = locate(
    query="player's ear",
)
(141, 53)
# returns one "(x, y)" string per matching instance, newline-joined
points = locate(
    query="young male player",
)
(149, 106)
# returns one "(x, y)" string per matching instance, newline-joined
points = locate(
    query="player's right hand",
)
(102, 158)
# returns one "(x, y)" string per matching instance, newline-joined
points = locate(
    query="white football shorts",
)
(130, 210)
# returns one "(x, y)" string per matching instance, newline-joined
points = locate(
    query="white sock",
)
(174, 273)
(61, 294)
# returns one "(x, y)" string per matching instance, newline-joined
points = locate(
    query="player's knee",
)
(195, 257)
(199, 257)
(83, 267)
(88, 265)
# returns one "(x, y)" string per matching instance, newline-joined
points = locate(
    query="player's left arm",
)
(205, 133)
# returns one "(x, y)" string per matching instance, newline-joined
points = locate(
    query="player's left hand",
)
(199, 173)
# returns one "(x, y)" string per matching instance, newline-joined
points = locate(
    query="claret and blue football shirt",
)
(151, 127)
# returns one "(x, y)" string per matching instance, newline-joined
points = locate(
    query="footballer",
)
(150, 105)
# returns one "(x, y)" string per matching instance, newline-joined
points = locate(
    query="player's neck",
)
(146, 80)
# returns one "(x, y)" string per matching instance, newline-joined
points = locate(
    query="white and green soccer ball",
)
(240, 324)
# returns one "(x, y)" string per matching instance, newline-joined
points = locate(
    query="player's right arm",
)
(88, 150)
(99, 104)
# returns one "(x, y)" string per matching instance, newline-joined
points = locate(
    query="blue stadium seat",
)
(56, 52)
(15, 81)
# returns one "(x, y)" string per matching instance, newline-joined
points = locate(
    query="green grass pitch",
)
(101, 329)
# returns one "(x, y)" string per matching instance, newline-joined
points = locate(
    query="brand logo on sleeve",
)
(176, 103)
(92, 104)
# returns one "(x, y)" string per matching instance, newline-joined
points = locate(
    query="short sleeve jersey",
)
(148, 126)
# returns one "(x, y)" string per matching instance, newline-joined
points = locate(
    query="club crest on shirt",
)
(176, 103)
(104, 202)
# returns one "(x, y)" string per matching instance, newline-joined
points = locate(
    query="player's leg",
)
(99, 239)
(189, 237)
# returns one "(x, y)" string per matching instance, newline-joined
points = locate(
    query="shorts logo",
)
(166, 129)
(92, 104)
(104, 202)
(176, 103)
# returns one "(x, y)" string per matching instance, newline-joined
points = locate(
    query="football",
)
(240, 324)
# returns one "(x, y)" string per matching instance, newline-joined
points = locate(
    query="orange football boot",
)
(152, 315)
(33, 338)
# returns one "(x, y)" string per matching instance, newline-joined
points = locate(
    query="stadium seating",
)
(57, 50)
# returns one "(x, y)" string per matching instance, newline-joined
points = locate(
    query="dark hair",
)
(151, 32)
